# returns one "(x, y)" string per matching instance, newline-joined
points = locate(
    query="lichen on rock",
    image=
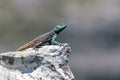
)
(49, 62)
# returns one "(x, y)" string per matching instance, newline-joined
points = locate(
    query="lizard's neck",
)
(57, 32)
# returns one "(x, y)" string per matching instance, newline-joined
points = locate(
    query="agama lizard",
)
(49, 37)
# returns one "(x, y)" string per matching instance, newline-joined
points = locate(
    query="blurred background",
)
(93, 31)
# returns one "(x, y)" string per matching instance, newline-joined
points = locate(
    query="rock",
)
(49, 62)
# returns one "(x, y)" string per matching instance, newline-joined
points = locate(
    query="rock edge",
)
(47, 63)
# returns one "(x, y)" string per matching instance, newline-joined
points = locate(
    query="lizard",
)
(49, 37)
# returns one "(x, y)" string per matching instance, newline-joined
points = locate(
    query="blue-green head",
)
(59, 28)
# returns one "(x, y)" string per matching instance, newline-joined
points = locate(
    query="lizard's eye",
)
(61, 24)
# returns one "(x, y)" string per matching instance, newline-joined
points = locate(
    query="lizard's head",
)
(60, 27)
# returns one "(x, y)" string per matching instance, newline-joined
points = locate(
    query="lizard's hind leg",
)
(37, 46)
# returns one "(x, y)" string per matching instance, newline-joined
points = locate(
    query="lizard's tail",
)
(26, 46)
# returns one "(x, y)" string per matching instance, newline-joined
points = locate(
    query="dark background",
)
(93, 31)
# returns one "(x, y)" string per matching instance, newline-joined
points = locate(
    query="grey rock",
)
(47, 63)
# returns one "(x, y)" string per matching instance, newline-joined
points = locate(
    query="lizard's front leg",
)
(54, 40)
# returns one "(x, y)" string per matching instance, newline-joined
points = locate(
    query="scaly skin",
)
(49, 37)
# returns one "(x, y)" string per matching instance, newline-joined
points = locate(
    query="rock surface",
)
(47, 63)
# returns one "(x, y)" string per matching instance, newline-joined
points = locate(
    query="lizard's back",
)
(38, 41)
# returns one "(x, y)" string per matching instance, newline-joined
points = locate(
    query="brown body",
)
(38, 41)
